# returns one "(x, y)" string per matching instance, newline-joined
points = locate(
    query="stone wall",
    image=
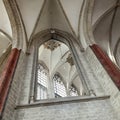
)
(27, 79)
(14, 90)
(104, 79)
(90, 110)
(97, 109)
(79, 109)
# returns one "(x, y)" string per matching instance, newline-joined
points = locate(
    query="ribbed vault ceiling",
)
(45, 14)
(106, 26)
(59, 60)
(38, 15)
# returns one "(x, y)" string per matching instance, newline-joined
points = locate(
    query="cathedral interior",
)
(59, 60)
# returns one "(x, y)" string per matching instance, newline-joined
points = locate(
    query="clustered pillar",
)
(6, 77)
(109, 66)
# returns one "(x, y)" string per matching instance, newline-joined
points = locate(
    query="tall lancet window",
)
(59, 87)
(73, 91)
(42, 78)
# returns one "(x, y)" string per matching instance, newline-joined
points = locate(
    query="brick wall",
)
(89, 110)
(109, 66)
(14, 91)
(104, 79)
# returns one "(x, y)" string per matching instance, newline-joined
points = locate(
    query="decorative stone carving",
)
(70, 60)
(52, 45)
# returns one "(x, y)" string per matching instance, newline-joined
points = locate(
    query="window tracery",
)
(73, 91)
(42, 78)
(59, 87)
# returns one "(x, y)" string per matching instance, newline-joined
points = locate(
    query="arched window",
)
(59, 87)
(55, 70)
(42, 78)
(73, 91)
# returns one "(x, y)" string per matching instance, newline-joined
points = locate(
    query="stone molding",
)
(64, 100)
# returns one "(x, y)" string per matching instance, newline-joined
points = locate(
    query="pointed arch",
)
(18, 30)
(66, 38)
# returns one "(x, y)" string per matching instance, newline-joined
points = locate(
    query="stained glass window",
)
(42, 78)
(59, 88)
(73, 91)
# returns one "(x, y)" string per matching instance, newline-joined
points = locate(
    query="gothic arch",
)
(18, 30)
(61, 36)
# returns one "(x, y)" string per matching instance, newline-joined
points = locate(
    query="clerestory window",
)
(59, 87)
(42, 78)
(55, 72)
(73, 91)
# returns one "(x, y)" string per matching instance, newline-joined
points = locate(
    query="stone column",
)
(108, 65)
(6, 77)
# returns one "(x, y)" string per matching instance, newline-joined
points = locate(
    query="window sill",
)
(65, 100)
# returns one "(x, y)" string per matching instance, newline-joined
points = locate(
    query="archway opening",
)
(58, 73)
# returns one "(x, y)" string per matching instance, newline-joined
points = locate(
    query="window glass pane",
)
(42, 82)
(59, 87)
(73, 91)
